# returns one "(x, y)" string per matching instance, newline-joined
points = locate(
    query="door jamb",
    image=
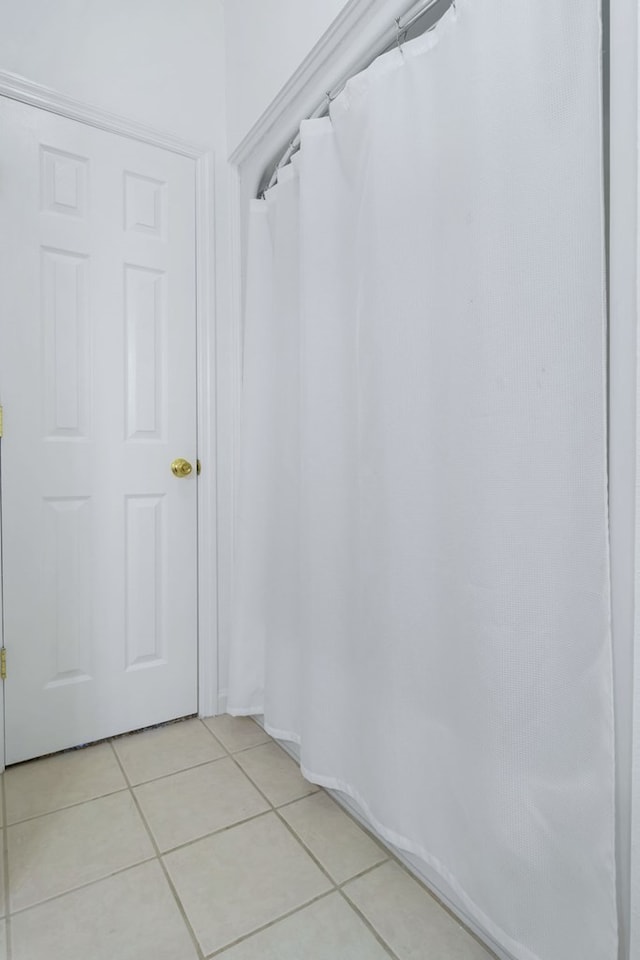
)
(624, 454)
(18, 88)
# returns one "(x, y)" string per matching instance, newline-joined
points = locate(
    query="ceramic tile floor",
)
(195, 840)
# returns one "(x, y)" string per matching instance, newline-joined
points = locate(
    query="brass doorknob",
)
(181, 468)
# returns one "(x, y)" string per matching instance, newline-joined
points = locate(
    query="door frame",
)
(624, 449)
(14, 87)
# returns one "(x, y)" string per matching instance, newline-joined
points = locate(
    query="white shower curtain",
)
(422, 580)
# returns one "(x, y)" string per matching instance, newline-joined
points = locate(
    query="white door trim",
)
(18, 88)
(624, 451)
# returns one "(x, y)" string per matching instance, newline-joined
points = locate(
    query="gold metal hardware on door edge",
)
(3, 663)
(181, 467)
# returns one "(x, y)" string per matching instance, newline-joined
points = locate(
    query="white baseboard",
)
(222, 705)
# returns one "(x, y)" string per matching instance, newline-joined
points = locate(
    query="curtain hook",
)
(285, 156)
(398, 35)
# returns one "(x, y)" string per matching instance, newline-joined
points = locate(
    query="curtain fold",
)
(422, 579)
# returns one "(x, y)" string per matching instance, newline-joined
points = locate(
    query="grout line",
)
(289, 803)
(393, 857)
(307, 796)
(163, 867)
(212, 734)
(338, 886)
(272, 923)
(214, 833)
(383, 943)
(111, 793)
(89, 883)
(5, 870)
(251, 780)
(363, 873)
(274, 807)
(306, 849)
(254, 746)
(174, 773)
(68, 806)
(251, 746)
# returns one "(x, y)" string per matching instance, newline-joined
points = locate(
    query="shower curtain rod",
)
(395, 35)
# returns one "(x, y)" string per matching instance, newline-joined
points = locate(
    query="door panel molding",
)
(25, 91)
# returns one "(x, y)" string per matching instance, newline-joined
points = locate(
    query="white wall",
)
(160, 62)
(266, 41)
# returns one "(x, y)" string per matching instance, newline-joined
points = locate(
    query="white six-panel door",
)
(97, 381)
